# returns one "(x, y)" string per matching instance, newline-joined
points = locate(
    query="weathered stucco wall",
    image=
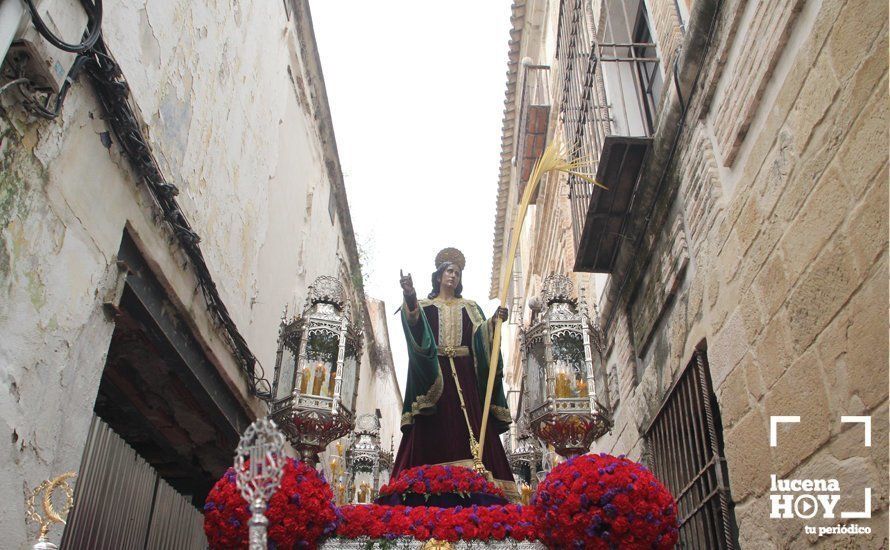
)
(231, 110)
(772, 253)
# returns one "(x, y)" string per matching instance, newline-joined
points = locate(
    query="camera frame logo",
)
(816, 498)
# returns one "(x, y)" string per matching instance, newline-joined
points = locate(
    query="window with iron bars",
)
(686, 440)
(518, 300)
(610, 83)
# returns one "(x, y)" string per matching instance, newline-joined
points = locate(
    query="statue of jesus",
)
(449, 345)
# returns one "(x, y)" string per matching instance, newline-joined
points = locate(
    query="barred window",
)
(686, 439)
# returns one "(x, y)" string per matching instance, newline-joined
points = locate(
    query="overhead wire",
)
(114, 95)
(94, 27)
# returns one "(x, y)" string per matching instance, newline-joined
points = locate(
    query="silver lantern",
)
(559, 387)
(525, 455)
(364, 459)
(316, 371)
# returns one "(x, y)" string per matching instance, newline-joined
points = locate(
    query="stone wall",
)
(782, 203)
(232, 101)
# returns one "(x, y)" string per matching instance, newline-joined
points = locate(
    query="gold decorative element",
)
(475, 447)
(451, 255)
(50, 515)
(434, 544)
(451, 322)
(425, 401)
(475, 313)
(525, 494)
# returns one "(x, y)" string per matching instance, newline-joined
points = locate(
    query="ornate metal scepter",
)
(259, 463)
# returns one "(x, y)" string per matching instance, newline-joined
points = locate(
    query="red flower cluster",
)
(599, 501)
(299, 513)
(426, 522)
(437, 480)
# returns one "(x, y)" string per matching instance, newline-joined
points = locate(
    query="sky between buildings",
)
(416, 90)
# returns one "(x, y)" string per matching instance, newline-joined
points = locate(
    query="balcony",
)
(534, 117)
(611, 84)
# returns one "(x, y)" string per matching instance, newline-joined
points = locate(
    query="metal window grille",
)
(593, 106)
(686, 441)
(518, 300)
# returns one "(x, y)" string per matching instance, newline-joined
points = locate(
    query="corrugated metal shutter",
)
(121, 503)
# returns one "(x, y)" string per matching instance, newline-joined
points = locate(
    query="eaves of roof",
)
(517, 19)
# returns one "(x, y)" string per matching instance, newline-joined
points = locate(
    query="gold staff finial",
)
(50, 514)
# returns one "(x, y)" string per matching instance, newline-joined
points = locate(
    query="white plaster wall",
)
(238, 136)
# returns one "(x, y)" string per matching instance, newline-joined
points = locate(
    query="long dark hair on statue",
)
(437, 281)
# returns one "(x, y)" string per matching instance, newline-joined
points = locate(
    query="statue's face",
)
(451, 277)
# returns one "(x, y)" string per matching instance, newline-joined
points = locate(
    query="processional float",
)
(316, 379)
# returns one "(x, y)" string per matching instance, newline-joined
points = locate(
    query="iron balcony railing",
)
(609, 83)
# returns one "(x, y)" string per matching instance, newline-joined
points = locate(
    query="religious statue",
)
(449, 345)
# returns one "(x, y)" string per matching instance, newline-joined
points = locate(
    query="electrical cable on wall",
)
(94, 27)
(113, 94)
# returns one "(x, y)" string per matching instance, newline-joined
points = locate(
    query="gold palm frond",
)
(555, 158)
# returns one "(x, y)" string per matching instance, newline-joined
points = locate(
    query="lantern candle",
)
(319, 379)
(563, 386)
(304, 379)
(331, 382)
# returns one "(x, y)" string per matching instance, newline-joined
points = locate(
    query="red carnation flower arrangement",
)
(439, 480)
(428, 522)
(300, 513)
(600, 501)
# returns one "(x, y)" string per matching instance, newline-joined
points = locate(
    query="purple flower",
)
(610, 510)
(596, 520)
(294, 499)
(209, 506)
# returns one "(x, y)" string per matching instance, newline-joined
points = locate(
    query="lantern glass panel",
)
(536, 377)
(569, 368)
(319, 372)
(287, 374)
(350, 374)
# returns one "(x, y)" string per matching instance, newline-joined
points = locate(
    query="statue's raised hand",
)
(408, 291)
(406, 283)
